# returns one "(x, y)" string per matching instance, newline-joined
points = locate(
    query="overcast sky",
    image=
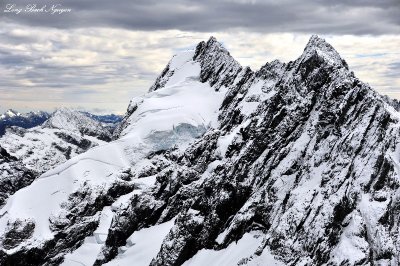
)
(102, 53)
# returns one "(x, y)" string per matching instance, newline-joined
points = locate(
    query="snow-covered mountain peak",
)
(218, 67)
(36, 113)
(25, 120)
(295, 164)
(213, 40)
(212, 46)
(317, 49)
(315, 40)
(75, 121)
(10, 113)
(173, 65)
(65, 118)
(209, 63)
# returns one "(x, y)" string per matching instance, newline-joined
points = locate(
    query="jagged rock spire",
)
(309, 175)
(318, 48)
(211, 46)
(218, 67)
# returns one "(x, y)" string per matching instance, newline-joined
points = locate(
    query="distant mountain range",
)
(33, 119)
(25, 153)
(107, 119)
(27, 120)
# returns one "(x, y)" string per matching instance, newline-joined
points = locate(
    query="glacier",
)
(293, 164)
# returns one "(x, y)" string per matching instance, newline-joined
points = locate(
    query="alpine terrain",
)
(28, 120)
(27, 153)
(293, 164)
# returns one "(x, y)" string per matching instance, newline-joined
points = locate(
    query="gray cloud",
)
(393, 70)
(105, 52)
(311, 16)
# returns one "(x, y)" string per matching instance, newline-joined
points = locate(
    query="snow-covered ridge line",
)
(283, 129)
(170, 117)
(41, 148)
(78, 122)
(27, 120)
(294, 164)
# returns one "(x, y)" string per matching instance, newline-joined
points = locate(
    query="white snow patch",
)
(265, 259)
(352, 245)
(183, 101)
(84, 255)
(232, 255)
(87, 253)
(226, 140)
(105, 221)
(248, 106)
(143, 245)
(221, 236)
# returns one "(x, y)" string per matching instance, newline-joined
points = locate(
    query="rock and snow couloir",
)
(294, 164)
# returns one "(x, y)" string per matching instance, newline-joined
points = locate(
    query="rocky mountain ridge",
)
(77, 122)
(295, 164)
(13, 175)
(31, 152)
(28, 120)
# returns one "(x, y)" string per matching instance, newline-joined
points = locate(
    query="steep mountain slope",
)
(64, 135)
(28, 120)
(301, 167)
(312, 169)
(39, 149)
(32, 119)
(75, 198)
(13, 175)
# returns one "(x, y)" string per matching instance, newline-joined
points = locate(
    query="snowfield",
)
(292, 164)
(173, 116)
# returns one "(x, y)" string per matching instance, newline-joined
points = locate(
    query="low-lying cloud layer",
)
(102, 53)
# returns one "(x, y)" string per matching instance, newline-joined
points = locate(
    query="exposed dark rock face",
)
(80, 218)
(133, 105)
(304, 154)
(217, 66)
(304, 168)
(17, 232)
(31, 152)
(13, 175)
(5, 156)
(83, 143)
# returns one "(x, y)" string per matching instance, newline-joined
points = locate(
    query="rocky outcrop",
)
(313, 166)
(304, 156)
(13, 175)
(218, 67)
(27, 153)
